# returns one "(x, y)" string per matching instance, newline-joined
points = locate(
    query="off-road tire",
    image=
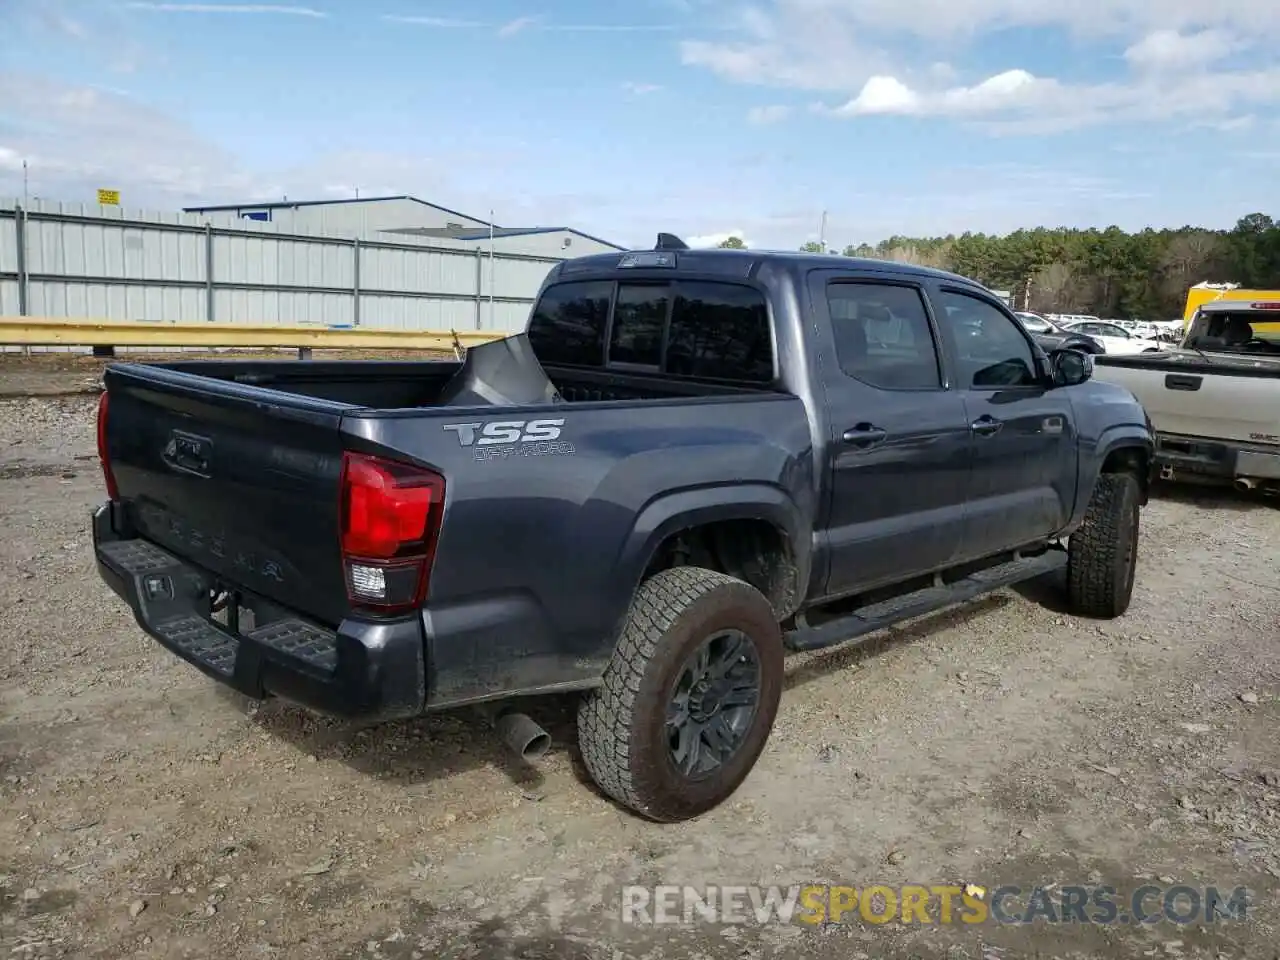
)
(1102, 555)
(621, 724)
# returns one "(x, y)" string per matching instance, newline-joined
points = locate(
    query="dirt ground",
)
(145, 812)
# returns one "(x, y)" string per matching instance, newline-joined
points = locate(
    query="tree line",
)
(1107, 273)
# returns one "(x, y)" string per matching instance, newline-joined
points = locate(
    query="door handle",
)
(1176, 381)
(865, 435)
(986, 426)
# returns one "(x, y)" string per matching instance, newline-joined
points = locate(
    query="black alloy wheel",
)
(713, 704)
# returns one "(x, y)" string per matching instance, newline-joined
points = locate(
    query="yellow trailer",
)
(1207, 293)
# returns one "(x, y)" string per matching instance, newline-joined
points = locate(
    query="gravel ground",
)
(146, 812)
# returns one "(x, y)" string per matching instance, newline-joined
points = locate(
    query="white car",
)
(1034, 322)
(1117, 340)
(1143, 329)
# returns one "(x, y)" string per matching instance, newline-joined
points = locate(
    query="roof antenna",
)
(669, 241)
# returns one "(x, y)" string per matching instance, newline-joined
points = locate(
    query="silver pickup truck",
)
(1214, 399)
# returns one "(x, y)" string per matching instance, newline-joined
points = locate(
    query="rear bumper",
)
(362, 670)
(1225, 460)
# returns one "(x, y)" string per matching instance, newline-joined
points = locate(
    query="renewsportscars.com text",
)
(943, 904)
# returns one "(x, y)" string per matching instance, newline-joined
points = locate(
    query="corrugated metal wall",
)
(88, 261)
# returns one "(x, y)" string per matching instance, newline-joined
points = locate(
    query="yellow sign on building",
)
(109, 198)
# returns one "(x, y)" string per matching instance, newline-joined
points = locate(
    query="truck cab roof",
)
(741, 263)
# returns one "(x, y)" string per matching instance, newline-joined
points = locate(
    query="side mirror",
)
(1070, 367)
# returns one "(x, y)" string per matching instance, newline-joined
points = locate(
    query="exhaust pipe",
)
(1166, 472)
(1245, 484)
(520, 733)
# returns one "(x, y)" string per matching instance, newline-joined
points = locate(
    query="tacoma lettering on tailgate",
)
(213, 549)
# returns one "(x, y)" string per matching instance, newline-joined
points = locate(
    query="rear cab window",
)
(1236, 330)
(568, 323)
(695, 329)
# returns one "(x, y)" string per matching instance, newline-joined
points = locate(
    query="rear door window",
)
(882, 335)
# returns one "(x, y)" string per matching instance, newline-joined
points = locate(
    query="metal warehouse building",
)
(387, 262)
(392, 218)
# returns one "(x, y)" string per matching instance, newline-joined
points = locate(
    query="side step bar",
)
(885, 613)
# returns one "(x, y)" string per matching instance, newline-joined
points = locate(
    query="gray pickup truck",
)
(689, 463)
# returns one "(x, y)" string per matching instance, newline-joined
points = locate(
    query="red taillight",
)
(104, 456)
(1266, 305)
(390, 518)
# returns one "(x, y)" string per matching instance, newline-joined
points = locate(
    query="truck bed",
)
(403, 384)
(236, 471)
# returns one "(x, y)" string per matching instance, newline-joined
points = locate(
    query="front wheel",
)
(688, 699)
(1102, 555)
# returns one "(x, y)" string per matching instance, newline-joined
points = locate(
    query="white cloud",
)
(96, 34)
(519, 24)
(715, 239)
(792, 46)
(267, 8)
(953, 20)
(886, 54)
(75, 29)
(1004, 91)
(82, 135)
(640, 89)
(1245, 121)
(766, 115)
(1018, 101)
(77, 138)
(883, 95)
(1171, 50)
(610, 27)
(447, 23)
(511, 28)
(10, 160)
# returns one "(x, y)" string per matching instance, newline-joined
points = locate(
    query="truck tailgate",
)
(1196, 399)
(239, 480)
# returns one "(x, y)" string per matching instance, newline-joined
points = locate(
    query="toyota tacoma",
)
(687, 464)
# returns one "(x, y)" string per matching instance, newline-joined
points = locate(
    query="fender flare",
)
(1132, 436)
(1120, 437)
(680, 510)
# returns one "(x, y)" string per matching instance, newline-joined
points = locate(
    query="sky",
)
(701, 117)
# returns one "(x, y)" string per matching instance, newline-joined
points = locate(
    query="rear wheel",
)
(1102, 555)
(688, 699)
